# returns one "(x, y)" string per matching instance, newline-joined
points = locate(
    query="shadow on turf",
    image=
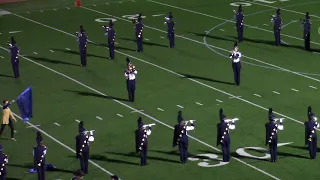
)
(117, 47)
(43, 59)
(30, 166)
(212, 37)
(137, 156)
(103, 158)
(83, 93)
(144, 42)
(206, 79)
(272, 43)
(3, 75)
(77, 53)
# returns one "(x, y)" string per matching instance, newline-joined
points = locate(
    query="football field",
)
(195, 77)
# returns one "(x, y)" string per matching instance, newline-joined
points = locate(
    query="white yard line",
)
(180, 106)
(313, 87)
(161, 37)
(222, 30)
(257, 95)
(13, 32)
(57, 124)
(275, 92)
(146, 39)
(51, 50)
(266, 24)
(234, 97)
(222, 101)
(77, 121)
(199, 103)
(159, 109)
(99, 118)
(316, 52)
(119, 115)
(68, 49)
(35, 53)
(137, 111)
(156, 15)
(294, 90)
(2, 57)
(32, 126)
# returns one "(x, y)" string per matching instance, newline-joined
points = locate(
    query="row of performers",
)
(180, 137)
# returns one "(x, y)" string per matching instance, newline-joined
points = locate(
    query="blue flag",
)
(24, 102)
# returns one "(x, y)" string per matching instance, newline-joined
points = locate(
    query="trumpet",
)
(272, 18)
(280, 125)
(148, 126)
(91, 137)
(187, 122)
(231, 122)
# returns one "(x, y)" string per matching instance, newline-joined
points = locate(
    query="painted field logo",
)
(208, 160)
(213, 160)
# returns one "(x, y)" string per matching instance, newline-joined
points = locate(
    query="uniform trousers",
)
(226, 151)
(111, 49)
(307, 41)
(84, 158)
(273, 148)
(312, 146)
(236, 72)
(131, 87)
(83, 56)
(171, 39)
(140, 44)
(240, 32)
(277, 37)
(15, 67)
(183, 148)
(41, 172)
(143, 155)
(10, 126)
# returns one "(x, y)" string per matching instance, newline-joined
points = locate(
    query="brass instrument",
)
(279, 125)
(231, 123)
(187, 122)
(91, 137)
(148, 126)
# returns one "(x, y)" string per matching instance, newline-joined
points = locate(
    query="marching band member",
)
(311, 134)
(111, 33)
(170, 24)
(14, 52)
(306, 31)
(83, 41)
(180, 136)
(3, 162)
(142, 134)
(271, 134)
(39, 153)
(139, 35)
(239, 23)
(223, 137)
(130, 75)
(7, 118)
(236, 63)
(277, 21)
(82, 149)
